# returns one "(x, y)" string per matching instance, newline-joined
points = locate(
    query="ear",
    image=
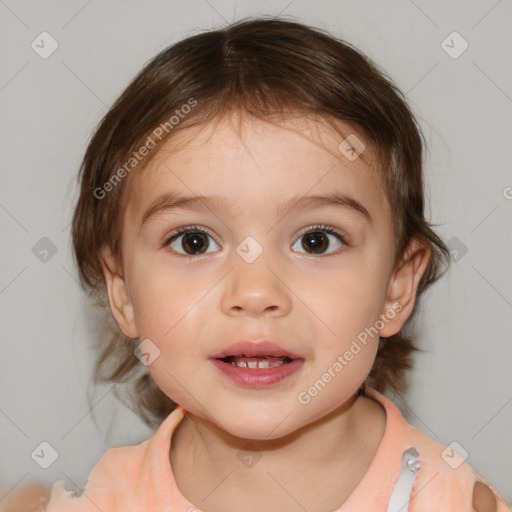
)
(118, 296)
(403, 286)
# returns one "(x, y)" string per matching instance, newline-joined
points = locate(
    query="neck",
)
(343, 441)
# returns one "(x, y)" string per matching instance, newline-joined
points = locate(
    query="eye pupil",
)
(315, 241)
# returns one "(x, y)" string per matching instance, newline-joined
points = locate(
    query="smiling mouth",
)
(242, 361)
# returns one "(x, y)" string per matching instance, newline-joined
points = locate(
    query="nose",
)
(256, 288)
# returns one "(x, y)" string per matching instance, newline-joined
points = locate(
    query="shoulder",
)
(28, 498)
(122, 477)
(445, 482)
(118, 467)
(122, 460)
(448, 482)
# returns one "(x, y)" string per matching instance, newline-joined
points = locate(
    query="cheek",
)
(160, 297)
(355, 295)
(173, 313)
(351, 307)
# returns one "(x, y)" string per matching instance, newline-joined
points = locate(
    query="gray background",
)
(461, 388)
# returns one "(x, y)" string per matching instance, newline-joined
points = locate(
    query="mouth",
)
(242, 361)
(256, 365)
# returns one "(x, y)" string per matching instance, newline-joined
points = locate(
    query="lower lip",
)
(258, 377)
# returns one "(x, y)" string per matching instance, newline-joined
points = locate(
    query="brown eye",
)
(319, 239)
(191, 240)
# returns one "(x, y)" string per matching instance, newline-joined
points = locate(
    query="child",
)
(252, 207)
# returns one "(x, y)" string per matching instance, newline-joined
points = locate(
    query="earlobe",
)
(403, 286)
(118, 296)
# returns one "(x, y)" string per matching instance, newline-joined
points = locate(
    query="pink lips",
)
(256, 377)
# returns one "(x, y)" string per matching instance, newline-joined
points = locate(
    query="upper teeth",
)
(246, 362)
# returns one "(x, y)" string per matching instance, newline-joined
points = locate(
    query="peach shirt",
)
(139, 478)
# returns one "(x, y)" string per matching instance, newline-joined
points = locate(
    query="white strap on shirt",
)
(403, 488)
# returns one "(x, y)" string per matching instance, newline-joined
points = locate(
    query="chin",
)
(249, 424)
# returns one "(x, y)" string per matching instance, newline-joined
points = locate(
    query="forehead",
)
(252, 163)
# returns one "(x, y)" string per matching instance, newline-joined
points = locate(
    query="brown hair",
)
(266, 66)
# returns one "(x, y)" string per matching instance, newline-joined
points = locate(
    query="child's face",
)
(313, 296)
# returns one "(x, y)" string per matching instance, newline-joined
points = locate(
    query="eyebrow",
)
(173, 201)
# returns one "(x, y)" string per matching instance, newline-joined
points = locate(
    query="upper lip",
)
(255, 349)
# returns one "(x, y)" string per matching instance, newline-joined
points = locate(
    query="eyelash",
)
(194, 229)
